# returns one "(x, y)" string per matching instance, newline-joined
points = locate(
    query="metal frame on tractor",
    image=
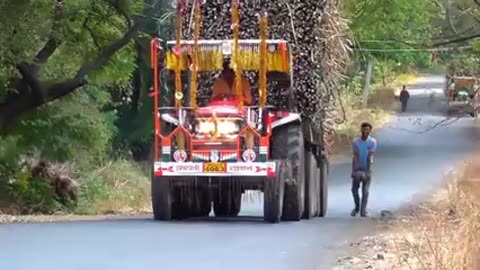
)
(264, 149)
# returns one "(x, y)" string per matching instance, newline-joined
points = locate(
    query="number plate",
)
(215, 167)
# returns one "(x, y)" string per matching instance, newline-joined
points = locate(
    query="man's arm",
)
(371, 151)
(354, 157)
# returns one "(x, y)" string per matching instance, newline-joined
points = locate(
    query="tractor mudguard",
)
(289, 118)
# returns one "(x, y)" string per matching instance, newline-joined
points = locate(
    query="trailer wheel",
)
(287, 144)
(312, 187)
(161, 198)
(323, 198)
(274, 189)
(227, 199)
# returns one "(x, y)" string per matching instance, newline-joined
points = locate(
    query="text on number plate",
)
(215, 167)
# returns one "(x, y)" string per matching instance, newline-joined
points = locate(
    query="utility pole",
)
(368, 78)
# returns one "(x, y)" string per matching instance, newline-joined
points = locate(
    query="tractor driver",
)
(225, 85)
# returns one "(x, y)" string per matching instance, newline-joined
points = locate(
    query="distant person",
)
(404, 97)
(451, 89)
(363, 147)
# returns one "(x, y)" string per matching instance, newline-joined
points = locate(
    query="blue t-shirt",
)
(363, 148)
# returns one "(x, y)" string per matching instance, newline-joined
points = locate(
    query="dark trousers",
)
(404, 106)
(365, 182)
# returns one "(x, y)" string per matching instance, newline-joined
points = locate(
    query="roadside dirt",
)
(440, 233)
(7, 219)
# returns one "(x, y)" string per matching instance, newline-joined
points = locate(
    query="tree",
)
(51, 48)
(388, 30)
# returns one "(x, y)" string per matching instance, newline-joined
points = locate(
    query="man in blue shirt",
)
(364, 147)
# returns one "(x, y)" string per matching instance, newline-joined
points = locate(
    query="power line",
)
(414, 50)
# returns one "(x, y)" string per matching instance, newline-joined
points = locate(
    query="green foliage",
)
(476, 46)
(114, 187)
(393, 25)
(33, 194)
(68, 129)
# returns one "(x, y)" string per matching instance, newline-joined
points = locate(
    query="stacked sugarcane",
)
(315, 31)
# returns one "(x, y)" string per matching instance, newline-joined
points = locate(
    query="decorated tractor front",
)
(208, 153)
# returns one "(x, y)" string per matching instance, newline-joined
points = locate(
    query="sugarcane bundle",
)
(316, 33)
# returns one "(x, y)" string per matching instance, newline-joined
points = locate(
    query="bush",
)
(33, 194)
(118, 186)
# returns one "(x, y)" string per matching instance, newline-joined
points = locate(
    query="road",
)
(407, 163)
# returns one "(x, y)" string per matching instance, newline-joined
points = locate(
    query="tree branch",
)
(108, 52)
(28, 73)
(16, 106)
(449, 18)
(53, 41)
(456, 40)
(116, 5)
(63, 88)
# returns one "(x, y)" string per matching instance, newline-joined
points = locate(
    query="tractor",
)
(464, 98)
(209, 150)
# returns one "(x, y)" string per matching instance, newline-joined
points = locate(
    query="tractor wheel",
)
(323, 198)
(227, 199)
(312, 187)
(162, 198)
(287, 144)
(274, 192)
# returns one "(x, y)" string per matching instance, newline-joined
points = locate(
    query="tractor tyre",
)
(312, 186)
(287, 144)
(323, 196)
(162, 199)
(227, 199)
(274, 189)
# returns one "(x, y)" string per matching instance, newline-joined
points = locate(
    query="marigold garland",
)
(195, 58)
(236, 50)
(262, 82)
(178, 56)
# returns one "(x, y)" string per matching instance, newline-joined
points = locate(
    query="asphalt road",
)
(409, 161)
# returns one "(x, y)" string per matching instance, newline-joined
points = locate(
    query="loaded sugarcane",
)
(219, 139)
(314, 29)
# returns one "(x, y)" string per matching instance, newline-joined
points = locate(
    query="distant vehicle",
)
(464, 98)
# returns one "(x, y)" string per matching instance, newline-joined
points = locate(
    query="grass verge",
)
(117, 187)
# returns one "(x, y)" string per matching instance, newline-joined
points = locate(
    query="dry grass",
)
(117, 187)
(381, 102)
(450, 224)
(440, 234)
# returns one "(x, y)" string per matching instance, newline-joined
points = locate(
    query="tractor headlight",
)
(205, 127)
(220, 127)
(227, 127)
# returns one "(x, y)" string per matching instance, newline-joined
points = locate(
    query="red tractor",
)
(210, 153)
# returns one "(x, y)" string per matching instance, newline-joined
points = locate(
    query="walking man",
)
(364, 147)
(404, 97)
